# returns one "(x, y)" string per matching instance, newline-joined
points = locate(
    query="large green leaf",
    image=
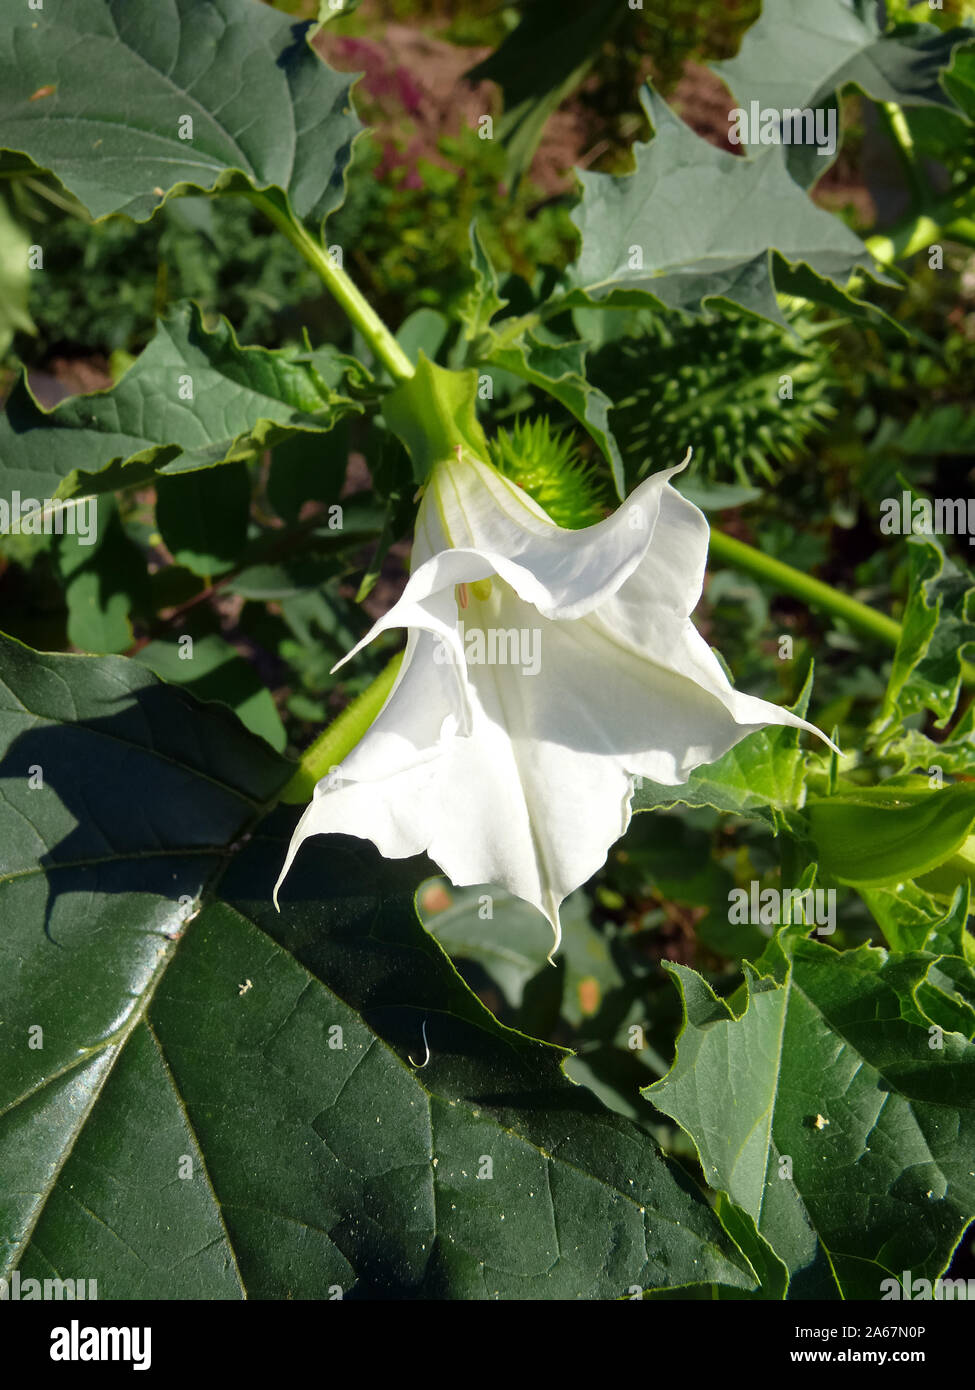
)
(126, 75)
(193, 399)
(892, 832)
(694, 225)
(831, 1113)
(798, 54)
(221, 1101)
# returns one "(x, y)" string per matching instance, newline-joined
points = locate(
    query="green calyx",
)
(547, 465)
(433, 413)
(749, 398)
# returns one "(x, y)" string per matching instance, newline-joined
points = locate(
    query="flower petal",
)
(383, 812)
(374, 791)
(563, 574)
(424, 707)
(537, 792)
(650, 614)
(657, 717)
(515, 767)
(469, 506)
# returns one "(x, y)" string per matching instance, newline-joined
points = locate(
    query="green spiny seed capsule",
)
(547, 465)
(748, 397)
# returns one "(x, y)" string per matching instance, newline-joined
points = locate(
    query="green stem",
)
(900, 133)
(817, 594)
(341, 736)
(343, 289)
(802, 586)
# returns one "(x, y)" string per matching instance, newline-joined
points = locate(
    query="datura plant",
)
(545, 669)
(598, 977)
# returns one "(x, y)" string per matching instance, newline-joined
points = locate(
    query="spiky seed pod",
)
(547, 465)
(718, 384)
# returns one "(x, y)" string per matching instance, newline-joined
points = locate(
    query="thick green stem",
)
(817, 594)
(802, 586)
(351, 300)
(341, 736)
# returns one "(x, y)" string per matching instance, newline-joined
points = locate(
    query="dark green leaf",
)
(193, 399)
(826, 1114)
(128, 74)
(210, 669)
(193, 1124)
(694, 225)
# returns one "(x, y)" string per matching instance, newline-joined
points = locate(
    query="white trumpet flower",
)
(544, 670)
